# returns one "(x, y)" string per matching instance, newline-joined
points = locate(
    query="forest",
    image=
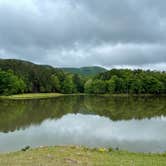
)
(18, 76)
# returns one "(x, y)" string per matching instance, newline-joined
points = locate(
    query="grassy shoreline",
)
(82, 156)
(53, 95)
(32, 96)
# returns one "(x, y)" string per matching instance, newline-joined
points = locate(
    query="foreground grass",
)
(32, 96)
(71, 156)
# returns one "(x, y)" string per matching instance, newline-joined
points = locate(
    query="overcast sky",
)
(110, 33)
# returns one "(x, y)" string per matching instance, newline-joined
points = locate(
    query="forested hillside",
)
(18, 76)
(37, 78)
(85, 71)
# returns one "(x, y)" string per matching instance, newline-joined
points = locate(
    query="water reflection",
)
(91, 130)
(134, 124)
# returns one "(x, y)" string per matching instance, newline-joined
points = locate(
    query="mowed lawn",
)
(81, 156)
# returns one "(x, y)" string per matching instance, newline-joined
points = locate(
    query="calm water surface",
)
(133, 124)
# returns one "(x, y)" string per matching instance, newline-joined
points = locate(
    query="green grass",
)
(76, 155)
(31, 96)
(52, 95)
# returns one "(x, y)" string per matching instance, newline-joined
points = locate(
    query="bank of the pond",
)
(38, 95)
(76, 155)
(132, 95)
(52, 95)
(32, 96)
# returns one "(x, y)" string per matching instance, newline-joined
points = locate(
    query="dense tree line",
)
(127, 81)
(24, 77)
(41, 78)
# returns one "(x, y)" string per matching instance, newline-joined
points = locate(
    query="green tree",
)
(67, 85)
(10, 83)
(152, 85)
(119, 84)
(78, 83)
(111, 84)
(55, 83)
(136, 86)
(88, 86)
(99, 86)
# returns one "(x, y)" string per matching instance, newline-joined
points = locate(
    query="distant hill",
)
(22, 68)
(85, 71)
(36, 77)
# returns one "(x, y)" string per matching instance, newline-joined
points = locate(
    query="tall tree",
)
(10, 83)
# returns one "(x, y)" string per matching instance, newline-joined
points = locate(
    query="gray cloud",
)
(82, 32)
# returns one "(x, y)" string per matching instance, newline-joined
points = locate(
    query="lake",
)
(135, 124)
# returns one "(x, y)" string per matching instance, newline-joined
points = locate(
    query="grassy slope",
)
(32, 96)
(63, 156)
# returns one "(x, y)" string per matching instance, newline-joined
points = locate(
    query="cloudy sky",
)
(110, 33)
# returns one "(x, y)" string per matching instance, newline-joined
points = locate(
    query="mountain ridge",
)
(85, 71)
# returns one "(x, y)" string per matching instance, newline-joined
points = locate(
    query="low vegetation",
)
(76, 155)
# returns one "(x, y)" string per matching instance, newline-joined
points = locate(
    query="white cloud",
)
(81, 33)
